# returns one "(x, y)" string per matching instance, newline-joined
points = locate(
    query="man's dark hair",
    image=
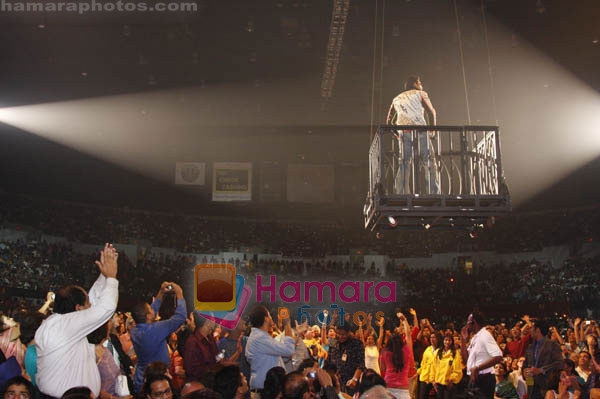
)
(479, 318)
(306, 364)
(330, 367)
(273, 383)
(295, 385)
(409, 83)
(155, 369)
(345, 327)
(147, 388)
(67, 299)
(29, 320)
(96, 336)
(257, 316)
(542, 325)
(205, 393)
(369, 379)
(199, 320)
(77, 393)
(501, 364)
(227, 380)
(18, 380)
(138, 312)
(570, 365)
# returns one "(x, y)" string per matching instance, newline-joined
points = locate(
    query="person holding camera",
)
(149, 337)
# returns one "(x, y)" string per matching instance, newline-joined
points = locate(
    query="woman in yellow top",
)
(427, 369)
(447, 369)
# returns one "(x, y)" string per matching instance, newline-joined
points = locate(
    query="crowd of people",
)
(77, 346)
(32, 268)
(203, 234)
(124, 337)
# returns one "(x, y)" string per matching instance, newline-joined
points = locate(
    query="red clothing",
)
(176, 369)
(200, 354)
(414, 333)
(516, 349)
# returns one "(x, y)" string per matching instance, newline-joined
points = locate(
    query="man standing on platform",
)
(408, 108)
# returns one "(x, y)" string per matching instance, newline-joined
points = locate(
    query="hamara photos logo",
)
(220, 294)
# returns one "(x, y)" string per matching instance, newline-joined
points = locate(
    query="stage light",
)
(392, 221)
(427, 226)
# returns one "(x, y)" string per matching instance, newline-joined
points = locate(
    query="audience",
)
(562, 296)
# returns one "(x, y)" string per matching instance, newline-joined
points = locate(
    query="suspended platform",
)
(435, 177)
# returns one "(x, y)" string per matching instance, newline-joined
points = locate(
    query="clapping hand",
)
(108, 261)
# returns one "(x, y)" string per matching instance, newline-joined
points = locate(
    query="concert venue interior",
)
(115, 127)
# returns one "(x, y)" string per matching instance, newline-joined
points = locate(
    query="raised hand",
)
(108, 261)
(301, 328)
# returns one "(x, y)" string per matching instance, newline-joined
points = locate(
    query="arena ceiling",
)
(250, 69)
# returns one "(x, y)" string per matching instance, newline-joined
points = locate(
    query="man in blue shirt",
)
(262, 350)
(149, 337)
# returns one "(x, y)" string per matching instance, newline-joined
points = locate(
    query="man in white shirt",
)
(65, 359)
(482, 353)
(408, 108)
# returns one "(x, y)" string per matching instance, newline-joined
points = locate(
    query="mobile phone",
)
(587, 322)
(53, 296)
(312, 374)
(169, 287)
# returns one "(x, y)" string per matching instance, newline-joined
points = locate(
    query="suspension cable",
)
(381, 59)
(462, 61)
(490, 65)
(373, 71)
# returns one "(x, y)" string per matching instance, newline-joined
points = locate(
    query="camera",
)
(312, 374)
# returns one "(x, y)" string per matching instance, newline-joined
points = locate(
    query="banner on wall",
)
(232, 181)
(190, 173)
